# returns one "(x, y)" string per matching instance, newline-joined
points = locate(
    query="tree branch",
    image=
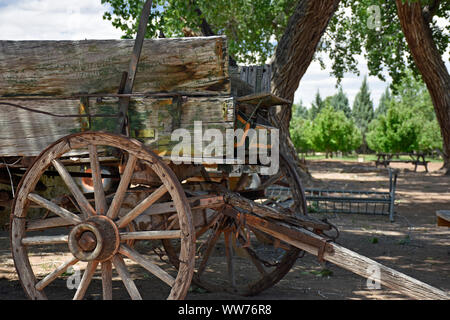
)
(429, 11)
(207, 30)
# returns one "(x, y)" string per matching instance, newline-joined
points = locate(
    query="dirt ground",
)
(413, 244)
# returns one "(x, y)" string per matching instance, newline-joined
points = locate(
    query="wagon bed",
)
(100, 182)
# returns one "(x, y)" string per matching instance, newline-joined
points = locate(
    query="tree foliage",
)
(339, 102)
(300, 130)
(299, 110)
(316, 106)
(383, 103)
(371, 28)
(252, 27)
(332, 131)
(362, 110)
(409, 123)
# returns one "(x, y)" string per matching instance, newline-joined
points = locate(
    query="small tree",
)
(430, 138)
(362, 111)
(383, 105)
(316, 106)
(395, 132)
(332, 131)
(299, 110)
(339, 101)
(409, 124)
(300, 131)
(363, 107)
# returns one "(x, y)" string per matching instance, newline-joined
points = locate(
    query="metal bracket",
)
(325, 247)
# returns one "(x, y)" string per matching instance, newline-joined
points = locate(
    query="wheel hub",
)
(97, 238)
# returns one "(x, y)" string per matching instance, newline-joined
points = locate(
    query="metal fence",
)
(347, 201)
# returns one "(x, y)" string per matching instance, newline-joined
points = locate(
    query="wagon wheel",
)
(220, 265)
(92, 233)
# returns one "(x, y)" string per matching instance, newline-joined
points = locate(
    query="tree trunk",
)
(292, 58)
(430, 64)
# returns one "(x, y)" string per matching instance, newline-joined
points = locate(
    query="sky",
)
(82, 19)
(316, 79)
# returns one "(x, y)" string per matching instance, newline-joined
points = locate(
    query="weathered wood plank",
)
(25, 133)
(85, 280)
(147, 264)
(256, 76)
(354, 262)
(82, 202)
(99, 192)
(56, 273)
(263, 100)
(122, 270)
(151, 235)
(62, 212)
(44, 240)
(107, 280)
(141, 207)
(114, 208)
(65, 68)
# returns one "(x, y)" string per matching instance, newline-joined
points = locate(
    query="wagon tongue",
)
(126, 87)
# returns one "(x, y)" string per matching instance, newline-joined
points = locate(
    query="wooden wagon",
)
(108, 195)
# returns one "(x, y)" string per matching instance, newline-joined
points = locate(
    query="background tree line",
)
(404, 121)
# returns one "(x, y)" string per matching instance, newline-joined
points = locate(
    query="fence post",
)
(392, 185)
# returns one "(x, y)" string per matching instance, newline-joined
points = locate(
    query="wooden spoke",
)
(173, 222)
(84, 204)
(229, 255)
(55, 273)
(256, 262)
(43, 224)
(63, 213)
(114, 208)
(141, 207)
(44, 240)
(195, 203)
(272, 180)
(150, 235)
(85, 280)
(107, 280)
(121, 268)
(200, 231)
(140, 259)
(99, 193)
(212, 239)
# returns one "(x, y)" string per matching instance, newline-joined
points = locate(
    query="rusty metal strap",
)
(325, 246)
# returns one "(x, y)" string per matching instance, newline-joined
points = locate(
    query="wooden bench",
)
(443, 218)
(385, 159)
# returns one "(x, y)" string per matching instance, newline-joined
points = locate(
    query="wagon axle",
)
(95, 239)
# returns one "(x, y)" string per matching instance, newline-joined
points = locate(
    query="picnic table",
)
(415, 158)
